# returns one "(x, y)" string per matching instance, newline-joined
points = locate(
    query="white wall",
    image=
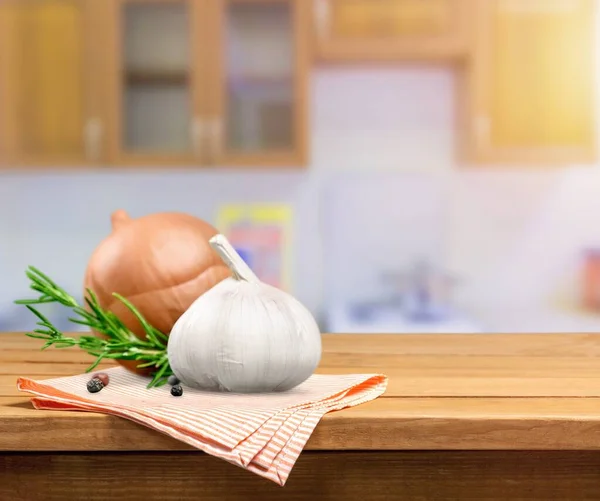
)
(367, 119)
(514, 236)
(362, 121)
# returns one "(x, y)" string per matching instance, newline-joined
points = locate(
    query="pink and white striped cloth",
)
(264, 433)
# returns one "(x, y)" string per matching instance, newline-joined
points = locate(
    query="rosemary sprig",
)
(121, 343)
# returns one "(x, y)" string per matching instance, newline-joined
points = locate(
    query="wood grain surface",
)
(465, 417)
(454, 392)
(385, 476)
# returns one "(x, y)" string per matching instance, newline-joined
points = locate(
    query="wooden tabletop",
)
(446, 392)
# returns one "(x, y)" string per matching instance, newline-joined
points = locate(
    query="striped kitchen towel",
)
(264, 433)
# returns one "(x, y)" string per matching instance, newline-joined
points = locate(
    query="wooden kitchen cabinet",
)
(392, 30)
(48, 113)
(154, 81)
(207, 82)
(258, 100)
(528, 94)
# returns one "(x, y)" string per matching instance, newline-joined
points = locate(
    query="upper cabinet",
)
(225, 82)
(529, 88)
(154, 85)
(258, 100)
(48, 112)
(212, 82)
(362, 30)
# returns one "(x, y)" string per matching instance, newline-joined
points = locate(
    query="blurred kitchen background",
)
(430, 165)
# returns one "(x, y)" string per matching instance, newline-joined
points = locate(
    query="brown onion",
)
(161, 263)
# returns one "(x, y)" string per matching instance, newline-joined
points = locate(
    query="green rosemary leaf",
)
(104, 324)
(113, 324)
(42, 331)
(120, 342)
(90, 322)
(82, 312)
(43, 334)
(115, 356)
(37, 314)
(147, 364)
(85, 337)
(95, 364)
(95, 311)
(36, 336)
(88, 299)
(161, 336)
(35, 272)
(92, 301)
(81, 322)
(48, 344)
(51, 287)
(161, 382)
(63, 344)
(33, 301)
(43, 300)
(148, 329)
(158, 375)
(133, 310)
(116, 321)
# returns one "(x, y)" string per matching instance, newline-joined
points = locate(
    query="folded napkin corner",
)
(263, 433)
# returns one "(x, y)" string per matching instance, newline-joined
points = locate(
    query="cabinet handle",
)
(322, 17)
(215, 139)
(197, 133)
(92, 134)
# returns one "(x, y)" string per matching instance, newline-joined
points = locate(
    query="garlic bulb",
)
(243, 335)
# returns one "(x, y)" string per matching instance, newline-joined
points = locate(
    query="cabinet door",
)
(390, 29)
(530, 88)
(47, 108)
(153, 81)
(257, 106)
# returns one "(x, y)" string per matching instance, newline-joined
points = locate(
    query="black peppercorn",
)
(176, 390)
(94, 385)
(173, 380)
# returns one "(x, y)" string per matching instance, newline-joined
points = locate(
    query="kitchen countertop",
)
(447, 392)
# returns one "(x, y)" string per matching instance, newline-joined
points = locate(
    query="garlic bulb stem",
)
(238, 267)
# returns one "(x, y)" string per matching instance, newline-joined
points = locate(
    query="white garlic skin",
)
(244, 337)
